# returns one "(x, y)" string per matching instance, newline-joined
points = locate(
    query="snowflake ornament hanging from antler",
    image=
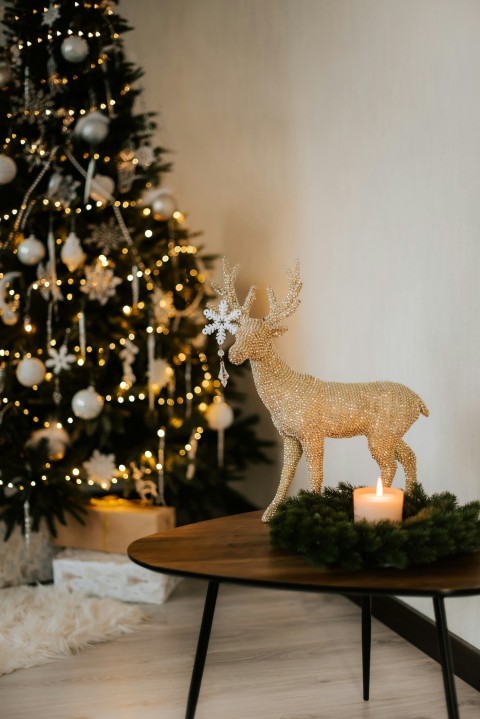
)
(222, 322)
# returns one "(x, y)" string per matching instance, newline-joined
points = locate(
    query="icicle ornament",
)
(160, 499)
(82, 336)
(222, 322)
(188, 387)
(151, 360)
(27, 524)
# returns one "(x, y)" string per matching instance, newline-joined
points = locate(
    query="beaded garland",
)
(321, 528)
(306, 410)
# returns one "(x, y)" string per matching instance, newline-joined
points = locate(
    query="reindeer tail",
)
(423, 408)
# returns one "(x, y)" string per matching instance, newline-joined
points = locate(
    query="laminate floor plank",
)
(273, 655)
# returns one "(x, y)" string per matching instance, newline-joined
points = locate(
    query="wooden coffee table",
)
(237, 549)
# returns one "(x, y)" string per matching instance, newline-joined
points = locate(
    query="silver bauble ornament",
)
(74, 48)
(30, 371)
(87, 403)
(30, 251)
(93, 128)
(71, 253)
(164, 205)
(57, 441)
(8, 169)
(219, 415)
(102, 188)
(5, 74)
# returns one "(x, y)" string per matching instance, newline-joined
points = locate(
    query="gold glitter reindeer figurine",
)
(304, 409)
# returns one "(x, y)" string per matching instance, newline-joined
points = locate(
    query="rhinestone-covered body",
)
(306, 410)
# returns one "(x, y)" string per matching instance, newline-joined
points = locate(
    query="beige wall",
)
(345, 132)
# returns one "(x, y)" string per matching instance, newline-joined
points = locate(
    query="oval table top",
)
(237, 549)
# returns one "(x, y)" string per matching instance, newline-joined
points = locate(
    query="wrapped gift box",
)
(111, 524)
(110, 575)
(22, 563)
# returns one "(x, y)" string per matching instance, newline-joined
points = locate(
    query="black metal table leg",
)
(366, 643)
(202, 648)
(446, 658)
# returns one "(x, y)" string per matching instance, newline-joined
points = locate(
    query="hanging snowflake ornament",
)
(222, 322)
(106, 236)
(59, 359)
(101, 469)
(51, 15)
(100, 283)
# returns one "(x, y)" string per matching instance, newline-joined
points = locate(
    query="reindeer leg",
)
(314, 455)
(382, 450)
(406, 456)
(292, 451)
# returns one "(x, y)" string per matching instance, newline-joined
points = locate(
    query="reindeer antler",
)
(278, 312)
(228, 292)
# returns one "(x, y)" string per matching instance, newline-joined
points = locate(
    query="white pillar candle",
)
(377, 504)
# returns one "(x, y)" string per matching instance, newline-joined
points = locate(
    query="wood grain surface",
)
(237, 549)
(273, 655)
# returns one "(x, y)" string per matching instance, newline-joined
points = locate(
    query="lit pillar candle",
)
(377, 504)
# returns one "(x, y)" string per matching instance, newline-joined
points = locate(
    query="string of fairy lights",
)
(153, 461)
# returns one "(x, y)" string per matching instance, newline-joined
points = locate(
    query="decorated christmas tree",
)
(107, 382)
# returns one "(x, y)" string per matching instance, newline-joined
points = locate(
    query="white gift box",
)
(22, 563)
(102, 574)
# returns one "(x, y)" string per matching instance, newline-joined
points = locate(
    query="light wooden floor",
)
(273, 655)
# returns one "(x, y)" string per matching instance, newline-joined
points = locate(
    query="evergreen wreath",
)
(321, 527)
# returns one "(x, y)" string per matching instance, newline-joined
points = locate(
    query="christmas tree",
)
(107, 381)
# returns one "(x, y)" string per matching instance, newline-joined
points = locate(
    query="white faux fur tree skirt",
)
(38, 624)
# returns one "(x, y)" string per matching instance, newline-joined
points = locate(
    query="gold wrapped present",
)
(112, 523)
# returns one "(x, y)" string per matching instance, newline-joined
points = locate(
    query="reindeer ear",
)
(278, 331)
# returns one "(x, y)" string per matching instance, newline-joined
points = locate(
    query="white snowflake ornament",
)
(101, 469)
(51, 14)
(100, 283)
(106, 236)
(222, 322)
(59, 359)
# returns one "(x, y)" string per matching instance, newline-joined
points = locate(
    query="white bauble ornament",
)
(159, 374)
(87, 403)
(164, 205)
(74, 48)
(30, 251)
(57, 441)
(71, 253)
(5, 73)
(93, 128)
(102, 188)
(30, 371)
(8, 169)
(219, 415)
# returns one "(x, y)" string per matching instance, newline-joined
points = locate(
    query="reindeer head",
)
(253, 339)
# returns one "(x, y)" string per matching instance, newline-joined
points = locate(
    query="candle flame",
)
(379, 487)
